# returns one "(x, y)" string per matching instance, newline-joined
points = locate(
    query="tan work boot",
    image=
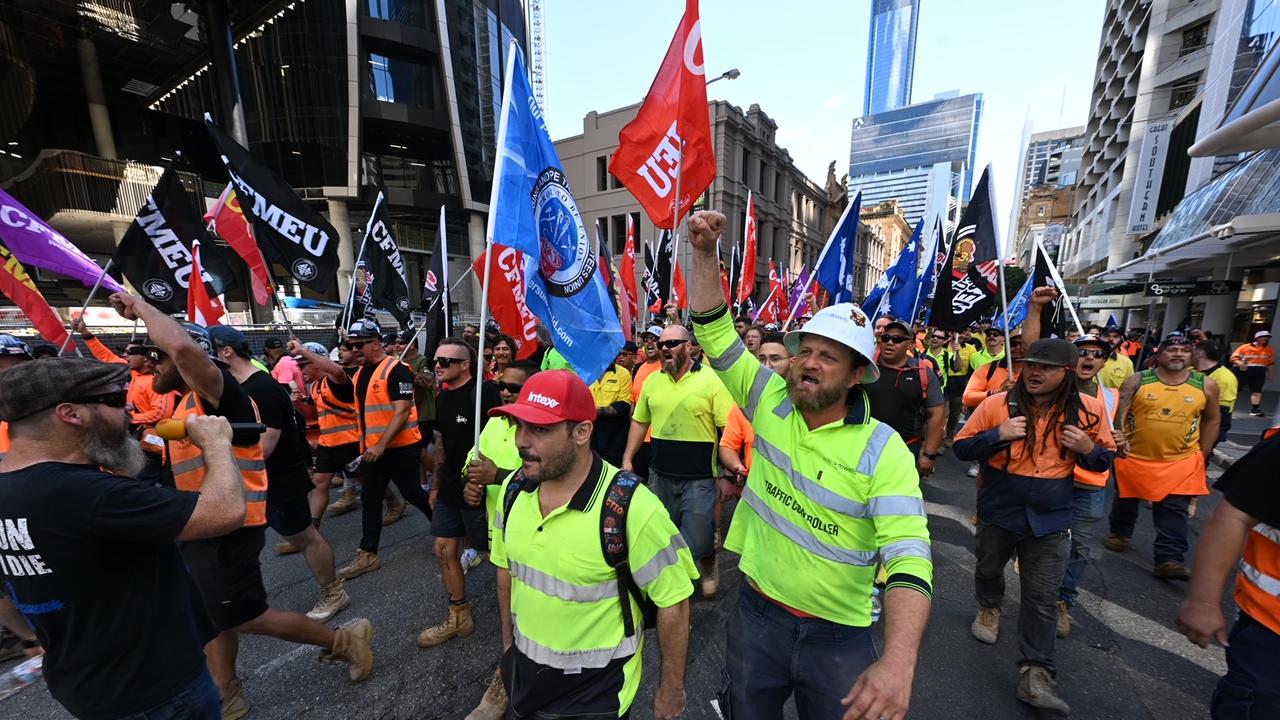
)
(986, 626)
(363, 562)
(1171, 570)
(333, 599)
(457, 624)
(287, 548)
(493, 706)
(352, 643)
(336, 481)
(234, 706)
(710, 577)
(1116, 543)
(395, 511)
(1064, 619)
(345, 503)
(1038, 689)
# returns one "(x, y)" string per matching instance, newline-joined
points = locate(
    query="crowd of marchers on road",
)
(136, 488)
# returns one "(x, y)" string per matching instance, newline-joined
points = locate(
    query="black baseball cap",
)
(1052, 351)
(272, 343)
(629, 346)
(898, 324)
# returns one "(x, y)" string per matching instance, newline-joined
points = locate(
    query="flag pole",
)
(915, 307)
(1057, 278)
(1004, 302)
(675, 223)
(822, 255)
(484, 316)
(351, 292)
(88, 299)
(422, 326)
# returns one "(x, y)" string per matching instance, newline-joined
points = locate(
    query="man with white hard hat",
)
(831, 490)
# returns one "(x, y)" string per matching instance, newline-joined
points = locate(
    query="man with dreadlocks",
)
(1030, 440)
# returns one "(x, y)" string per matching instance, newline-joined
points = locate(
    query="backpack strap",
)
(613, 543)
(514, 488)
(991, 369)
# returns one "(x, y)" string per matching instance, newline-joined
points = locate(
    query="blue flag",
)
(1018, 306)
(931, 263)
(906, 287)
(835, 265)
(532, 210)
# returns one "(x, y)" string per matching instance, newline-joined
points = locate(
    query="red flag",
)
(649, 147)
(772, 309)
(630, 295)
(682, 298)
(227, 219)
(506, 297)
(747, 281)
(724, 280)
(18, 287)
(202, 308)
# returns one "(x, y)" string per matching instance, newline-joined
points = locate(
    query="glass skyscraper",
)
(891, 55)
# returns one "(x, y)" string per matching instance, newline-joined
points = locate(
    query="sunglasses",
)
(895, 339)
(1087, 352)
(115, 399)
(155, 356)
(135, 351)
(671, 344)
(448, 362)
(939, 337)
(513, 388)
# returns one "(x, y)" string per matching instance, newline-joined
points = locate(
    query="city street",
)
(1123, 659)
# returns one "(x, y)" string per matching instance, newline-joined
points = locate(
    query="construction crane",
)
(538, 53)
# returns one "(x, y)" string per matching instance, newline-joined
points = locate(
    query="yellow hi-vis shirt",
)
(498, 443)
(820, 506)
(1115, 371)
(1228, 386)
(565, 611)
(613, 386)
(683, 417)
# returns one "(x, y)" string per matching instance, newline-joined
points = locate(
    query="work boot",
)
(1191, 509)
(710, 577)
(363, 562)
(345, 503)
(458, 624)
(1038, 690)
(1171, 570)
(395, 511)
(1064, 619)
(493, 706)
(972, 471)
(287, 548)
(352, 643)
(336, 481)
(986, 626)
(234, 706)
(333, 599)
(1116, 543)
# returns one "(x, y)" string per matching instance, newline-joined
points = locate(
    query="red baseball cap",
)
(550, 397)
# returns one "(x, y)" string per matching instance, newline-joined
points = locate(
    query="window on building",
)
(614, 182)
(402, 81)
(1040, 211)
(745, 167)
(602, 173)
(404, 12)
(777, 186)
(1184, 92)
(619, 235)
(1194, 38)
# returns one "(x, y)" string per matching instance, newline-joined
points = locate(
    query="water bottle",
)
(21, 675)
(353, 467)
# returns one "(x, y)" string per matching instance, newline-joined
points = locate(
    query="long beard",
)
(121, 454)
(820, 398)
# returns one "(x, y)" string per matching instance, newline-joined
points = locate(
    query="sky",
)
(804, 63)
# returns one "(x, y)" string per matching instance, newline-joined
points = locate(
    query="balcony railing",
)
(68, 180)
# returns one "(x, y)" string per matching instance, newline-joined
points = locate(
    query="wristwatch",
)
(931, 456)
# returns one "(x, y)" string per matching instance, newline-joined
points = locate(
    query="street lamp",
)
(731, 74)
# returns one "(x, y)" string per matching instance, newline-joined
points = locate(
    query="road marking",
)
(951, 512)
(272, 665)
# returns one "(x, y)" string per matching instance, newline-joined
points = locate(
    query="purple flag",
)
(796, 298)
(36, 244)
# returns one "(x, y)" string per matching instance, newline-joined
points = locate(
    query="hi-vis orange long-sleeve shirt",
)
(149, 407)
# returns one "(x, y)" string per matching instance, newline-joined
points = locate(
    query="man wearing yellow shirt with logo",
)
(612, 393)
(1208, 357)
(1118, 366)
(831, 491)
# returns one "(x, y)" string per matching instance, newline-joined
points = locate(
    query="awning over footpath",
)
(1234, 218)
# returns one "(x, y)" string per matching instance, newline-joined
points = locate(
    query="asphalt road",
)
(1123, 659)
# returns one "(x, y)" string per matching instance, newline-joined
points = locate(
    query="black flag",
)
(657, 272)
(968, 281)
(155, 253)
(1053, 316)
(288, 230)
(387, 283)
(435, 293)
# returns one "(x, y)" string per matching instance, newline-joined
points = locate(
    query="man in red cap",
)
(574, 539)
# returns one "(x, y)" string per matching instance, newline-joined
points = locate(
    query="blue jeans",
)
(691, 505)
(1170, 518)
(1248, 691)
(772, 654)
(1088, 507)
(197, 701)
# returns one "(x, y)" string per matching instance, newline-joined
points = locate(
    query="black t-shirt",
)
(898, 400)
(286, 471)
(455, 418)
(1250, 484)
(90, 559)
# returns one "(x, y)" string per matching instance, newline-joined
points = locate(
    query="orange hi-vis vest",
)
(4, 439)
(378, 410)
(338, 422)
(187, 462)
(1110, 398)
(1258, 582)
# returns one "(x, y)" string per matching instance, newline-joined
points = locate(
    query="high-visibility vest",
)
(4, 439)
(1258, 582)
(187, 463)
(1110, 398)
(378, 410)
(1252, 356)
(338, 422)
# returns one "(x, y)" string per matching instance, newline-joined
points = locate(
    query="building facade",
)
(891, 55)
(1045, 215)
(1050, 158)
(793, 213)
(883, 232)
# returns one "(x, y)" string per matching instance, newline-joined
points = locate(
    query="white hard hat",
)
(846, 324)
(1261, 334)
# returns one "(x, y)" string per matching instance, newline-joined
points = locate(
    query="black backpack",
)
(613, 544)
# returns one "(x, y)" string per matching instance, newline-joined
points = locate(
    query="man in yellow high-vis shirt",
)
(830, 492)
